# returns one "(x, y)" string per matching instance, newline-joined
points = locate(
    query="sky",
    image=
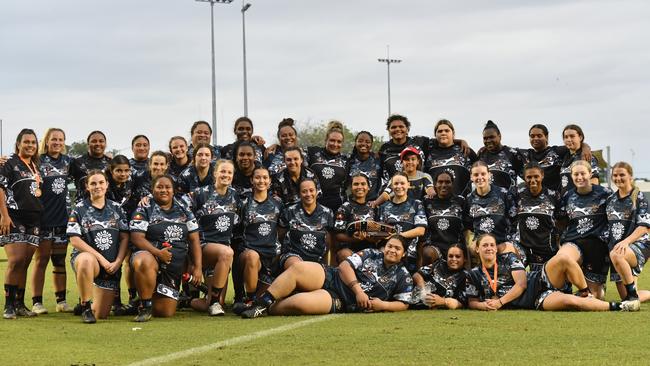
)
(143, 67)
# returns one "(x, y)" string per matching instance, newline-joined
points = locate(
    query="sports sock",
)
(146, 303)
(133, 293)
(60, 296)
(216, 294)
(265, 299)
(37, 299)
(20, 296)
(250, 296)
(10, 294)
(614, 306)
(631, 291)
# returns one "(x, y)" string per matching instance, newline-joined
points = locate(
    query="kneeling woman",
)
(441, 285)
(367, 281)
(163, 231)
(500, 281)
(98, 231)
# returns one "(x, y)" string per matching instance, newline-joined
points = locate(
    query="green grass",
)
(413, 337)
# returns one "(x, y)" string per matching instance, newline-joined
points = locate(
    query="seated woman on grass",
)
(441, 285)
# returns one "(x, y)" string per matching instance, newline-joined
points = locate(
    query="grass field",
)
(413, 337)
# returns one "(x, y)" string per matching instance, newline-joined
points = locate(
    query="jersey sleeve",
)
(595, 169)
(473, 287)
(341, 218)
(642, 217)
(192, 224)
(123, 223)
(514, 263)
(403, 287)
(428, 181)
(5, 175)
(420, 219)
(356, 259)
(139, 220)
(74, 224)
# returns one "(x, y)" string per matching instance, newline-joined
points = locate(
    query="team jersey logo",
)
(443, 224)
(222, 224)
(173, 233)
(309, 240)
(617, 231)
(328, 172)
(58, 186)
(33, 189)
(565, 181)
(532, 222)
(486, 225)
(264, 229)
(584, 225)
(103, 240)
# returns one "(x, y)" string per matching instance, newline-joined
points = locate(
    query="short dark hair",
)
(397, 117)
(139, 136)
(541, 127)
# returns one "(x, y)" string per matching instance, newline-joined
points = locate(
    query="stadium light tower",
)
(214, 91)
(388, 61)
(243, 28)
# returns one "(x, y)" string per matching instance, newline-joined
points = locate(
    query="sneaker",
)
(631, 305)
(63, 307)
(87, 316)
(124, 309)
(77, 310)
(39, 309)
(216, 309)
(240, 307)
(21, 310)
(255, 311)
(10, 312)
(144, 315)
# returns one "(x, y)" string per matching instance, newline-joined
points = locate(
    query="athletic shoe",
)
(39, 309)
(631, 305)
(255, 311)
(124, 309)
(216, 309)
(77, 310)
(63, 307)
(10, 312)
(21, 310)
(87, 316)
(144, 315)
(240, 307)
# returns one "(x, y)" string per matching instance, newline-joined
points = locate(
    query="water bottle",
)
(163, 266)
(201, 286)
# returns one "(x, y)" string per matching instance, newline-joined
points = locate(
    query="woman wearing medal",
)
(20, 217)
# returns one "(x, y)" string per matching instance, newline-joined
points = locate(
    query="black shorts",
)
(26, 228)
(595, 258)
(168, 282)
(536, 292)
(270, 266)
(103, 280)
(343, 299)
(57, 235)
(358, 246)
(285, 256)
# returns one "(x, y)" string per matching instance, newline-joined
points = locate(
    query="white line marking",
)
(231, 342)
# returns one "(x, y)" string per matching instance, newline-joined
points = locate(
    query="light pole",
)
(214, 91)
(388, 61)
(243, 32)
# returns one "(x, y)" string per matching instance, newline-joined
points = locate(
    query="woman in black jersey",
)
(245, 163)
(163, 231)
(369, 281)
(94, 159)
(330, 166)
(505, 163)
(629, 242)
(200, 173)
(574, 138)
(99, 233)
(54, 169)
(287, 138)
(201, 133)
(286, 183)
(158, 166)
(389, 153)
(445, 155)
(179, 157)
(140, 147)
(441, 284)
(500, 281)
(244, 131)
(20, 219)
(364, 160)
(584, 239)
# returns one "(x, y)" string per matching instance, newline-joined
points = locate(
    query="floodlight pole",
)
(243, 26)
(388, 61)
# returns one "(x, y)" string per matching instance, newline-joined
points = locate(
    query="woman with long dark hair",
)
(441, 284)
(574, 138)
(363, 160)
(504, 163)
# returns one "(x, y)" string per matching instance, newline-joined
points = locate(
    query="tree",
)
(314, 135)
(77, 148)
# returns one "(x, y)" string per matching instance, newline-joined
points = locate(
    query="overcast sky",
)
(143, 66)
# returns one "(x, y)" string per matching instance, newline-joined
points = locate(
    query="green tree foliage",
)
(77, 148)
(313, 134)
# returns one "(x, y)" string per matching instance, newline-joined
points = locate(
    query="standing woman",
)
(164, 231)
(158, 166)
(140, 147)
(363, 160)
(398, 127)
(217, 208)
(286, 183)
(505, 163)
(179, 157)
(94, 159)
(200, 173)
(244, 165)
(20, 219)
(406, 215)
(330, 166)
(574, 138)
(54, 169)
(201, 133)
(287, 137)
(629, 242)
(99, 233)
(244, 131)
(441, 285)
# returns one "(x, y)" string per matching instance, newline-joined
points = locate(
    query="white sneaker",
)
(631, 305)
(63, 307)
(39, 309)
(216, 310)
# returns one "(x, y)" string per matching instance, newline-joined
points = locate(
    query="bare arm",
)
(413, 233)
(350, 279)
(195, 250)
(140, 241)
(5, 220)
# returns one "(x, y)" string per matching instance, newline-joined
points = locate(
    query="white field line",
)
(231, 342)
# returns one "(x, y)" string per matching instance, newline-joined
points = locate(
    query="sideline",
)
(231, 342)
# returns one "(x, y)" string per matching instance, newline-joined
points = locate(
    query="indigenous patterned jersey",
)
(98, 227)
(122, 194)
(332, 173)
(216, 152)
(20, 185)
(260, 221)
(79, 170)
(242, 183)
(624, 216)
(451, 160)
(159, 225)
(379, 281)
(307, 232)
(550, 159)
(352, 211)
(274, 162)
(565, 172)
(389, 155)
(446, 219)
(55, 175)
(189, 180)
(175, 170)
(586, 214)
(418, 185)
(138, 166)
(287, 190)
(444, 282)
(505, 165)
(478, 283)
(404, 216)
(493, 213)
(371, 169)
(218, 215)
(228, 151)
(536, 219)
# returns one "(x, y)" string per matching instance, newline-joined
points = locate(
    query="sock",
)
(20, 296)
(631, 291)
(10, 294)
(216, 293)
(146, 303)
(250, 295)
(614, 306)
(117, 299)
(133, 293)
(86, 304)
(60, 296)
(266, 299)
(37, 299)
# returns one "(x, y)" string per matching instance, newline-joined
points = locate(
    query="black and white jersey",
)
(175, 169)
(98, 227)
(478, 283)
(404, 216)
(55, 173)
(79, 170)
(228, 151)
(332, 173)
(550, 159)
(536, 219)
(493, 213)
(260, 222)
(352, 211)
(122, 194)
(379, 281)
(306, 233)
(624, 216)
(287, 189)
(189, 180)
(371, 169)
(444, 282)
(389, 155)
(274, 162)
(138, 166)
(171, 226)
(418, 185)
(446, 220)
(20, 184)
(216, 152)
(566, 181)
(218, 215)
(453, 161)
(586, 214)
(505, 166)
(242, 183)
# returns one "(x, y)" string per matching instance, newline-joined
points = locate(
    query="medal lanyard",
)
(32, 168)
(492, 282)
